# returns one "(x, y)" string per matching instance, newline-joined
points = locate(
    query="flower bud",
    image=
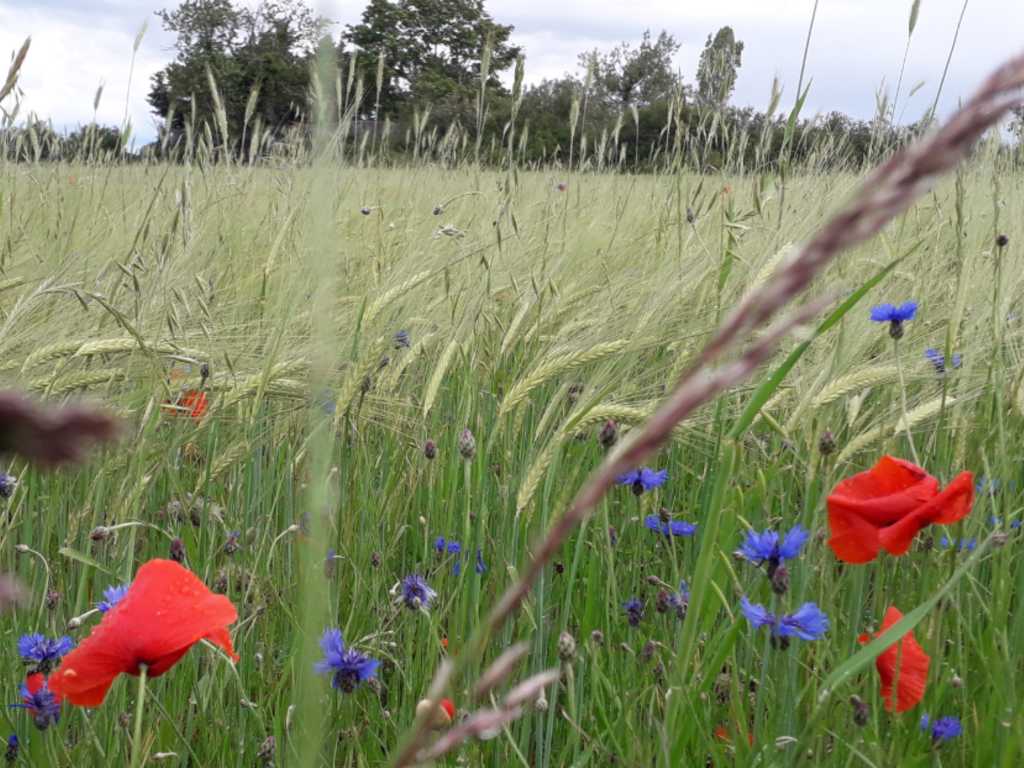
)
(780, 580)
(827, 443)
(597, 637)
(178, 551)
(467, 444)
(609, 434)
(1002, 241)
(430, 449)
(861, 712)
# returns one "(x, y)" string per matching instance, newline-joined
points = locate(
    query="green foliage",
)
(241, 52)
(719, 64)
(432, 49)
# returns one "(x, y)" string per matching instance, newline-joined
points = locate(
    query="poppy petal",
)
(903, 664)
(165, 612)
(885, 493)
(854, 539)
(955, 502)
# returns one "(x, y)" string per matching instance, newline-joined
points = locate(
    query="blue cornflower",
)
(967, 545)
(43, 653)
(767, 548)
(1015, 525)
(643, 479)
(480, 566)
(402, 340)
(895, 316)
(454, 548)
(942, 729)
(938, 360)
(416, 593)
(634, 609)
(439, 544)
(808, 622)
(348, 666)
(111, 597)
(39, 700)
(12, 748)
(670, 527)
(987, 486)
(8, 483)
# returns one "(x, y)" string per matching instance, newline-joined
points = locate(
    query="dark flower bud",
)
(52, 599)
(690, 215)
(780, 580)
(662, 602)
(1002, 241)
(559, 567)
(647, 652)
(204, 372)
(266, 751)
(467, 444)
(664, 515)
(861, 712)
(438, 210)
(194, 517)
(232, 544)
(609, 434)
(722, 687)
(957, 681)
(574, 393)
(365, 211)
(430, 449)
(562, 186)
(827, 443)
(780, 643)
(220, 584)
(896, 329)
(597, 637)
(8, 483)
(566, 647)
(125, 720)
(366, 384)
(178, 551)
(613, 535)
(375, 559)
(99, 533)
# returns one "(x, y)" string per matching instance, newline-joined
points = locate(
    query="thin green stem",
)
(138, 756)
(903, 403)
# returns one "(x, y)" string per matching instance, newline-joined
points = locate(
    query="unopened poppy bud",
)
(562, 186)
(597, 637)
(827, 443)
(609, 434)
(430, 449)
(1002, 240)
(860, 711)
(437, 715)
(566, 647)
(780, 580)
(99, 533)
(178, 551)
(467, 444)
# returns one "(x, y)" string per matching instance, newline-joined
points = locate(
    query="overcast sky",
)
(857, 46)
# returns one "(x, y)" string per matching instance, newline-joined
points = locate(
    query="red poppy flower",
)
(192, 403)
(904, 663)
(440, 715)
(886, 506)
(165, 612)
(449, 707)
(722, 734)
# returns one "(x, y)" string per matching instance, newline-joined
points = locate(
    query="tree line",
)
(442, 79)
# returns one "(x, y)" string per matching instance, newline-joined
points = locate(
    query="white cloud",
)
(857, 45)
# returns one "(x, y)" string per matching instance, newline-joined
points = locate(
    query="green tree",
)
(628, 76)
(263, 51)
(719, 64)
(431, 52)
